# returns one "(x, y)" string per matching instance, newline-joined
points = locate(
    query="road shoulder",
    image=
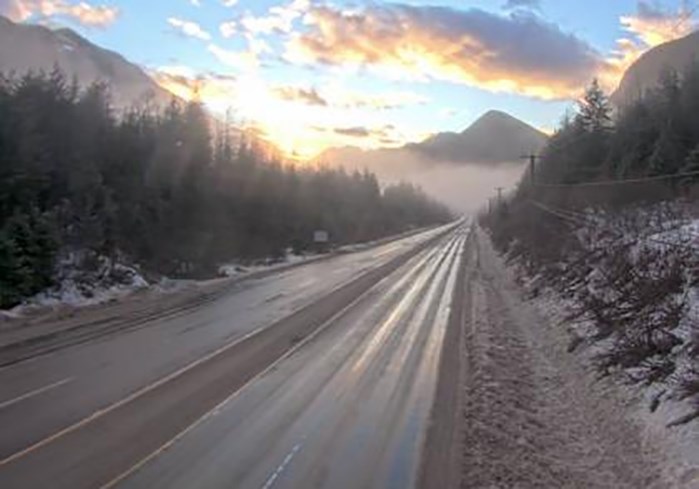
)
(528, 413)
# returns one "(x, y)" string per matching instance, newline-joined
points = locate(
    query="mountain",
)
(25, 47)
(459, 169)
(496, 137)
(647, 70)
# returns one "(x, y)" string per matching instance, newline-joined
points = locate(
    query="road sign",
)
(321, 236)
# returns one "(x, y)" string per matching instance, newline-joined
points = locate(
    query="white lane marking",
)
(163, 380)
(216, 409)
(35, 392)
(285, 463)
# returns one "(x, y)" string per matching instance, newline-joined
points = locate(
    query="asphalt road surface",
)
(319, 376)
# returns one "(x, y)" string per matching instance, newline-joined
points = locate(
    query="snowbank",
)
(83, 279)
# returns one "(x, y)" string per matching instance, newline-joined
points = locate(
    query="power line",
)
(560, 213)
(626, 181)
(581, 219)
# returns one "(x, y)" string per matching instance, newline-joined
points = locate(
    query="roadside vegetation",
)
(608, 219)
(165, 189)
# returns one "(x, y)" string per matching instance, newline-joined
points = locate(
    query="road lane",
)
(111, 368)
(98, 449)
(349, 410)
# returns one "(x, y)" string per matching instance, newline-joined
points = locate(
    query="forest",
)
(607, 157)
(607, 218)
(167, 189)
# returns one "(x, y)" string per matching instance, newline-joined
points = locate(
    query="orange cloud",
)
(325, 122)
(654, 26)
(648, 27)
(338, 96)
(83, 12)
(518, 53)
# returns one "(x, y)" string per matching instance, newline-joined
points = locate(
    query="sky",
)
(314, 74)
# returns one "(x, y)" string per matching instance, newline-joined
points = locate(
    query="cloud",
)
(82, 13)
(240, 60)
(229, 3)
(247, 60)
(385, 135)
(189, 29)
(518, 53)
(521, 4)
(305, 133)
(340, 97)
(228, 29)
(214, 89)
(279, 19)
(650, 26)
(355, 132)
(654, 26)
(307, 96)
(385, 101)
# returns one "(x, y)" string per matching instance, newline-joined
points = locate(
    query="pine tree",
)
(594, 110)
(691, 164)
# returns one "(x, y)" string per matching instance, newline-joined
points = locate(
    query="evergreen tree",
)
(158, 187)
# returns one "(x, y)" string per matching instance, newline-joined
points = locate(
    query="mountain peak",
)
(495, 137)
(32, 47)
(496, 120)
(496, 114)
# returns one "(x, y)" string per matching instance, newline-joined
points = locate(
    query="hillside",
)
(647, 70)
(25, 47)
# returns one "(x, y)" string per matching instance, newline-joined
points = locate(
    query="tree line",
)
(163, 188)
(598, 220)
(655, 134)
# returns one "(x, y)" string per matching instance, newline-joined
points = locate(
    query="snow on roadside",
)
(106, 280)
(649, 240)
(84, 279)
(679, 443)
(237, 269)
(112, 280)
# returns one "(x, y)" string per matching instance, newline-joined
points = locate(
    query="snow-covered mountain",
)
(25, 47)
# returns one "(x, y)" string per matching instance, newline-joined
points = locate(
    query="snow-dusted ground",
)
(535, 415)
(632, 270)
(112, 281)
(83, 279)
(679, 444)
(651, 240)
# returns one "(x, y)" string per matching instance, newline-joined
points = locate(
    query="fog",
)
(463, 187)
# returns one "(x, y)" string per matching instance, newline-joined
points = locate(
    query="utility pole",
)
(532, 165)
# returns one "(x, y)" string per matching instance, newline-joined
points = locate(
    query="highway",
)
(318, 376)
